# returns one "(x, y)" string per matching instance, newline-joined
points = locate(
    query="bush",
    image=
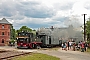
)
(12, 42)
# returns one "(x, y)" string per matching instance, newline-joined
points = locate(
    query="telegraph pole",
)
(84, 28)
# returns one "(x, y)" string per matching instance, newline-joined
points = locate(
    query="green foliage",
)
(13, 36)
(34, 30)
(25, 28)
(88, 29)
(12, 40)
(37, 56)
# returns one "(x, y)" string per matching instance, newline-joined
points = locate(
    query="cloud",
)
(8, 8)
(29, 9)
(63, 6)
(37, 10)
(44, 13)
(87, 5)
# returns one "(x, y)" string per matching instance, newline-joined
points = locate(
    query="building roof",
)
(4, 21)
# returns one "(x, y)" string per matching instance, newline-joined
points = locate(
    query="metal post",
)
(84, 28)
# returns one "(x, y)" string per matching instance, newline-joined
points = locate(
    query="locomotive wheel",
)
(18, 47)
(38, 47)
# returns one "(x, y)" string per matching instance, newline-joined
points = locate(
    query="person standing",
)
(74, 46)
(85, 46)
(68, 45)
(62, 46)
(82, 47)
(79, 45)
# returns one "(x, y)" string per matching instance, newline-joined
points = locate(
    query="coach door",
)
(49, 39)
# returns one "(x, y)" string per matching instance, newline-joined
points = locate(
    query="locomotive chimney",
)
(52, 28)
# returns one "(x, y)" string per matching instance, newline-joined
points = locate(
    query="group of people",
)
(72, 45)
(67, 45)
(82, 45)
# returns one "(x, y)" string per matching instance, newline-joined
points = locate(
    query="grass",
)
(36, 56)
(55, 48)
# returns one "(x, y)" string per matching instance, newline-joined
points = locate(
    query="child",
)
(65, 46)
(62, 46)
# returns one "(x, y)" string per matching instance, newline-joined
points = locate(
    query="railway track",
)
(8, 55)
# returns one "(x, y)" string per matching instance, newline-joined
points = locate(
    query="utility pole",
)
(84, 28)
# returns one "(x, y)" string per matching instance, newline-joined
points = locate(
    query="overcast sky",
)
(44, 13)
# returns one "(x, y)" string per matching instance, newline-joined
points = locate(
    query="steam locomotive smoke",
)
(76, 21)
(76, 30)
(63, 33)
(73, 30)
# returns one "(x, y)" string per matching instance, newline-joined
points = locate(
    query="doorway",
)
(49, 39)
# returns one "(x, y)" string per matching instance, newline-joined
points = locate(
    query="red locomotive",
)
(27, 40)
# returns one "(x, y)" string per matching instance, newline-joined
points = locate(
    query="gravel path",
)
(62, 54)
(67, 55)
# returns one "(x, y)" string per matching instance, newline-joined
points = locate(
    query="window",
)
(2, 26)
(2, 40)
(23, 34)
(2, 33)
(8, 34)
(19, 34)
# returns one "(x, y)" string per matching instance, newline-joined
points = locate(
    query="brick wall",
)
(4, 28)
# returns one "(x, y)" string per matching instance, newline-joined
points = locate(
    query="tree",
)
(25, 28)
(12, 33)
(88, 29)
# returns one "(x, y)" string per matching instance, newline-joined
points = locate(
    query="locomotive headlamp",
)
(35, 39)
(17, 38)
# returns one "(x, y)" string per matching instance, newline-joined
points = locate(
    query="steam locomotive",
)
(27, 40)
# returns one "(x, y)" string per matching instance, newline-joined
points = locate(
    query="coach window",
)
(2, 26)
(2, 40)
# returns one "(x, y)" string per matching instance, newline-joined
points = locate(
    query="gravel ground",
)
(9, 53)
(67, 55)
(15, 49)
(62, 54)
